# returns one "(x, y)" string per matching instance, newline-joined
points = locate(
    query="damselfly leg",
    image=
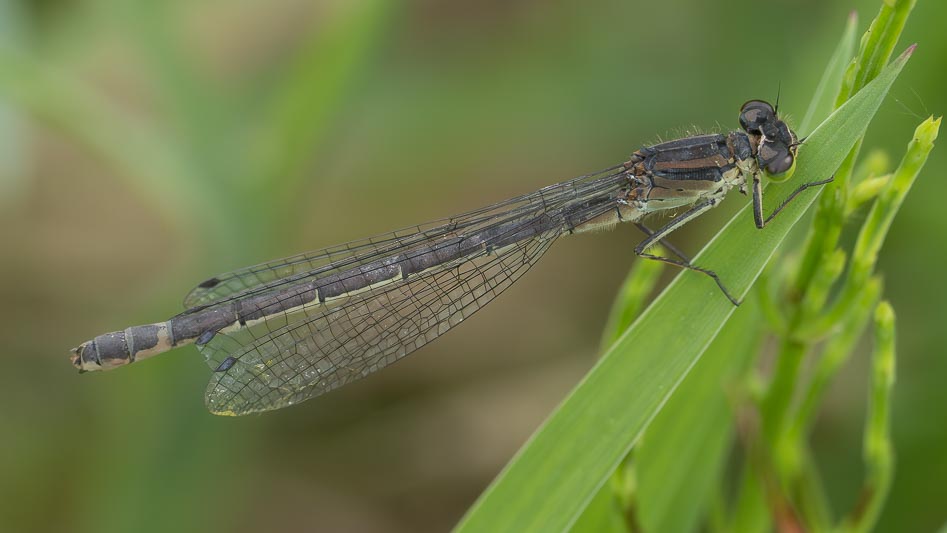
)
(658, 236)
(642, 249)
(664, 242)
(758, 199)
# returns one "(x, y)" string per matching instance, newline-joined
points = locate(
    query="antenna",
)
(779, 87)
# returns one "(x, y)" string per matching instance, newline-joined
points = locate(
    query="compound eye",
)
(754, 114)
(781, 168)
(758, 105)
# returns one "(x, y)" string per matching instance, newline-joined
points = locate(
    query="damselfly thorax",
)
(284, 331)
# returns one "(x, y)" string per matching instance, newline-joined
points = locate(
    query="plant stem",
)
(779, 394)
(874, 52)
(834, 355)
(878, 450)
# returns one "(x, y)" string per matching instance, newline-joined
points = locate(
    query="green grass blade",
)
(604, 514)
(551, 480)
(823, 100)
(14, 29)
(631, 299)
(200, 116)
(141, 156)
(298, 112)
(750, 512)
(681, 455)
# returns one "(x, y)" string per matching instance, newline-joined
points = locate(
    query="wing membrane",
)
(267, 276)
(335, 345)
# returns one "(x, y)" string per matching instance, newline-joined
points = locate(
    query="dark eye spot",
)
(754, 114)
(780, 165)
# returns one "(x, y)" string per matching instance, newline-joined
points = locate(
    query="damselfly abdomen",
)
(282, 332)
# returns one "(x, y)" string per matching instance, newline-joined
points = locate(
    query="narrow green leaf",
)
(549, 482)
(823, 100)
(297, 114)
(631, 299)
(604, 514)
(201, 118)
(14, 28)
(140, 154)
(682, 453)
(750, 513)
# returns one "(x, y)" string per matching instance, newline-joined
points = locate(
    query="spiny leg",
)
(758, 199)
(677, 222)
(671, 248)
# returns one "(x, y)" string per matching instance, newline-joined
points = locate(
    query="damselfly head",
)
(776, 151)
(780, 146)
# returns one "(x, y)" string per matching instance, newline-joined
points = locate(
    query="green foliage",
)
(550, 481)
(192, 168)
(682, 422)
(222, 165)
(176, 167)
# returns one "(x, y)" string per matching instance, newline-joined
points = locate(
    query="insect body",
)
(281, 332)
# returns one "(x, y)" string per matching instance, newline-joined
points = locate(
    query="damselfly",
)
(282, 332)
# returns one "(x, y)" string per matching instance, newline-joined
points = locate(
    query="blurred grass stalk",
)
(878, 452)
(190, 168)
(13, 164)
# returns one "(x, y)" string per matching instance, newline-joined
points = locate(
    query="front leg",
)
(758, 199)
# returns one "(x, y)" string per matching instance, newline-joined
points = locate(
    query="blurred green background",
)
(147, 145)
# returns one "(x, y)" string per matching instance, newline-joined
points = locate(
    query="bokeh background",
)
(147, 145)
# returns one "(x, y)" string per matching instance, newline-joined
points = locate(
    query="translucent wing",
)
(267, 276)
(334, 345)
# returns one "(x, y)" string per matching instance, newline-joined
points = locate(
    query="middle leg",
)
(660, 234)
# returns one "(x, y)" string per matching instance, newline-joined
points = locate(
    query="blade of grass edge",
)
(823, 99)
(682, 453)
(604, 514)
(552, 478)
